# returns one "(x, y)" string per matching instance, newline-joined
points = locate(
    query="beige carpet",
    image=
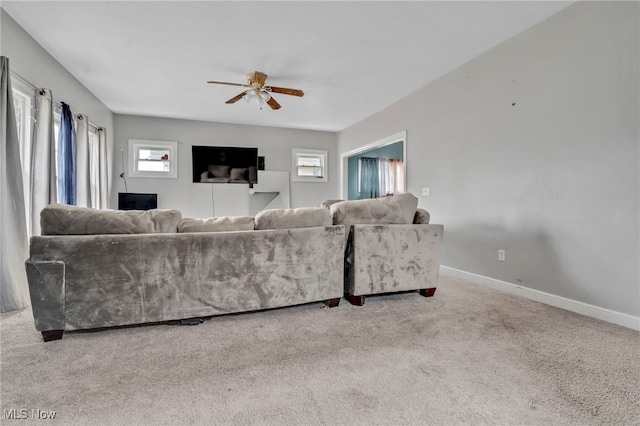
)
(470, 355)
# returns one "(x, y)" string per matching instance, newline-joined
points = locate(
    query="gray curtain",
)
(98, 170)
(14, 247)
(43, 166)
(82, 161)
(103, 186)
(369, 184)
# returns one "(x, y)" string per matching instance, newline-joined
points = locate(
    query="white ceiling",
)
(352, 59)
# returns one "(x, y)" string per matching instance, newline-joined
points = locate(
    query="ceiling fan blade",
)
(228, 84)
(286, 91)
(257, 77)
(273, 103)
(236, 98)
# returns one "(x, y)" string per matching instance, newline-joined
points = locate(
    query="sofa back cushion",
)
(216, 224)
(328, 203)
(61, 219)
(396, 209)
(304, 217)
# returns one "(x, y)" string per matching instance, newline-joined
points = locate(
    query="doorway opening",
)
(390, 147)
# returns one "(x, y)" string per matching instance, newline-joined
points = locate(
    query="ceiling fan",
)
(258, 91)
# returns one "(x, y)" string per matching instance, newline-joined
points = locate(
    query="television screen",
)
(219, 164)
(133, 201)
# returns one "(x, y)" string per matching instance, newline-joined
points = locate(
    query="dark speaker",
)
(260, 163)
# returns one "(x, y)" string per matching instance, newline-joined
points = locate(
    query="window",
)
(309, 165)
(23, 103)
(153, 159)
(25, 100)
(379, 177)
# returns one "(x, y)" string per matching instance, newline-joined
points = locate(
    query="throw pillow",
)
(421, 216)
(217, 224)
(396, 209)
(304, 217)
(61, 219)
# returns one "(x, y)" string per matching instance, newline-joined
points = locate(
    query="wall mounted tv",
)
(223, 164)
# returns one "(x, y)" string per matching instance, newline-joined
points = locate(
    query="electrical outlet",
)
(502, 256)
(426, 192)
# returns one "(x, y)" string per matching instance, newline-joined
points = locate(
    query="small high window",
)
(153, 159)
(309, 165)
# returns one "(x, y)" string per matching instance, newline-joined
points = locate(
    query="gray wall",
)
(198, 199)
(533, 148)
(30, 61)
(395, 150)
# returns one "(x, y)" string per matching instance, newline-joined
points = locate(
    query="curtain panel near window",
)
(82, 161)
(98, 169)
(14, 248)
(396, 167)
(43, 157)
(103, 184)
(66, 157)
(380, 177)
(385, 177)
(94, 170)
(369, 178)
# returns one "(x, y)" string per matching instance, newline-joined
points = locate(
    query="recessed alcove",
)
(271, 192)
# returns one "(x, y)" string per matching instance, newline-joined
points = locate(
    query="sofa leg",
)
(427, 292)
(332, 303)
(355, 300)
(50, 335)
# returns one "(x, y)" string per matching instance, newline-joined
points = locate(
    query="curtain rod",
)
(23, 81)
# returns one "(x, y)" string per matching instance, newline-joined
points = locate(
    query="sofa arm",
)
(46, 287)
(391, 258)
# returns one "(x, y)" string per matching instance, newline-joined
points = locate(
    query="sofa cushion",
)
(304, 217)
(421, 217)
(216, 224)
(396, 209)
(62, 219)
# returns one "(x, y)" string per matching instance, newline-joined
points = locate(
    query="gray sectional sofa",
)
(97, 269)
(104, 268)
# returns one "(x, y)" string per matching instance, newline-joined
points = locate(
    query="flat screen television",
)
(223, 164)
(136, 201)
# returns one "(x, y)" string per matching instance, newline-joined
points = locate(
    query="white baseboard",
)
(608, 315)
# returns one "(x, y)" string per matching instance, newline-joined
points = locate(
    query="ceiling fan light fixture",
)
(251, 94)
